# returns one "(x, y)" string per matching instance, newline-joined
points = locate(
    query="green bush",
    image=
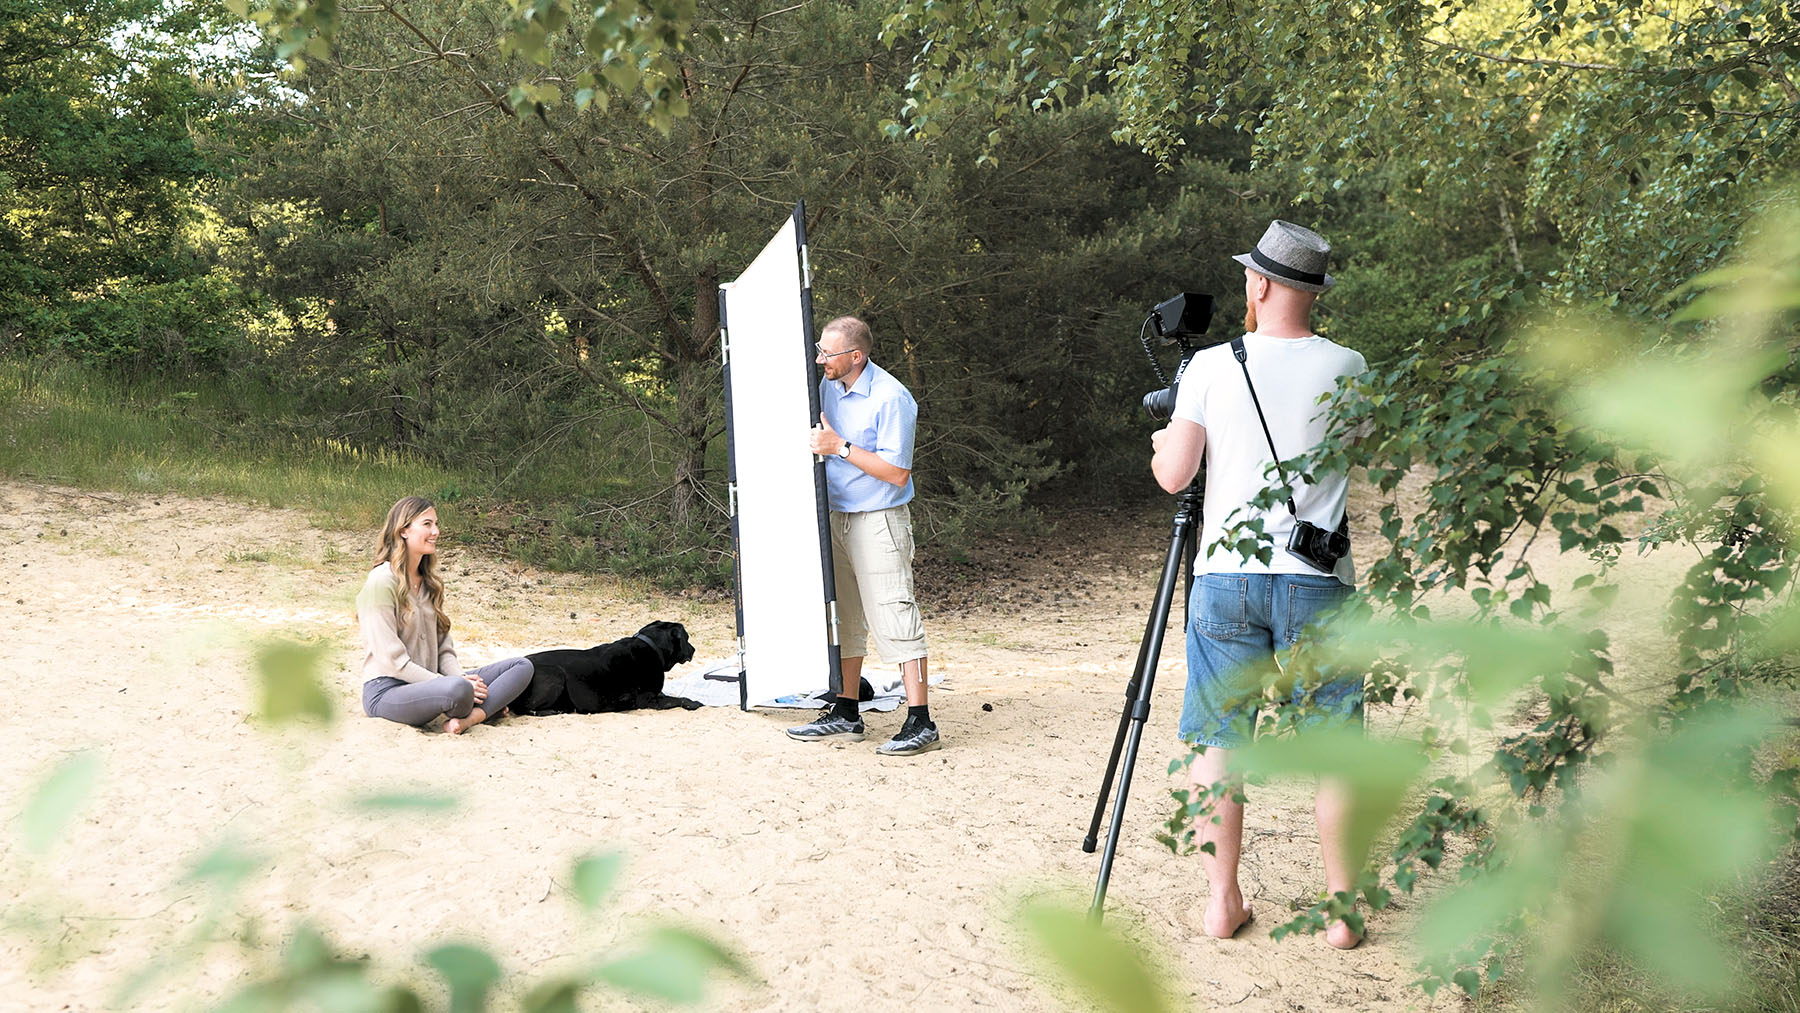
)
(143, 326)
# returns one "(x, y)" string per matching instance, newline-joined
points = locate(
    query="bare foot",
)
(1225, 916)
(1342, 936)
(457, 726)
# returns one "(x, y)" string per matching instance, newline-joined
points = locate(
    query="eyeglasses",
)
(823, 354)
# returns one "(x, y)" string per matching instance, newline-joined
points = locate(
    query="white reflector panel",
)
(779, 518)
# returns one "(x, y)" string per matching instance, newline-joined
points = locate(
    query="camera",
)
(1160, 404)
(1318, 548)
(1176, 320)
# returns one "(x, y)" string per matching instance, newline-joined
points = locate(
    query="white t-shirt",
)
(1290, 375)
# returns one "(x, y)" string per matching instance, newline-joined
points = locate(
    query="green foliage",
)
(99, 255)
(48, 812)
(521, 290)
(1622, 866)
(1107, 971)
(667, 963)
(67, 424)
(1625, 139)
(673, 965)
(594, 876)
(471, 973)
(1583, 818)
(288, 673)
(181, 325)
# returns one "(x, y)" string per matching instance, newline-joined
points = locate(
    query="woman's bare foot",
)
(1224, 916)
(457, 726)
(1342, 936)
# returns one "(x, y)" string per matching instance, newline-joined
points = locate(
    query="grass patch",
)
(70, 426)
(64, 424)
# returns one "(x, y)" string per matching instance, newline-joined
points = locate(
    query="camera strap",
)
(1242, 356)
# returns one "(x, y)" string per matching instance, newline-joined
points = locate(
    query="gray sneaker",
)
(828, 726)
(912, 740)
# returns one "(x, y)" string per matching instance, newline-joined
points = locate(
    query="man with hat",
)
(1242, 407)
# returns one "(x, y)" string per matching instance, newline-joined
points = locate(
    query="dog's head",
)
(670, 641)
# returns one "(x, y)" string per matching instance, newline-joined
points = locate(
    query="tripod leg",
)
(1118, 746)
(1112, 766)
(1137, 706)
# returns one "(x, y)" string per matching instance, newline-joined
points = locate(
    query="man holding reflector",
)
(865, 433)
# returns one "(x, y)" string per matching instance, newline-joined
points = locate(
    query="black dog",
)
(623, 675)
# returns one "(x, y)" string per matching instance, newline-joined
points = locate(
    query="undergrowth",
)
(64, 424)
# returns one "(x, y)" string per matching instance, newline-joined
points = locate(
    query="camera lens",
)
(1160, 404)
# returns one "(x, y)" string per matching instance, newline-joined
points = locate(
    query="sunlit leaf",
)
(407, 801)
(470, 971)
(1483, 906)
(58, 799)
(556, 995)
(225, 866)
(1667, 865)
(593, 878)
(674, 965)
(290, 682)
(1498, 660)
(1109, 972)
(1376, 772)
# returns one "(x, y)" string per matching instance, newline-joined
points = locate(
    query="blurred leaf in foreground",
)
(674, 965)
(402, 801)
(594, 876)
(1497, 660)
(1377, 772)
(290, 682)
(1631, 864)
(1689, 821)
(225, 866)
(1110, 972)
(471, 973)
(311, 976)
(58, 799)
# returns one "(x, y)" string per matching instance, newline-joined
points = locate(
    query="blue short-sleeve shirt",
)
(878, 414)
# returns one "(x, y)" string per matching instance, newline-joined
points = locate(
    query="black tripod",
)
(1183, 542)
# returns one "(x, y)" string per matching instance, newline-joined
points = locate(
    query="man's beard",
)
(1250, 318)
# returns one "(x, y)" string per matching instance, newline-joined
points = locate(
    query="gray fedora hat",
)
(1291, 255)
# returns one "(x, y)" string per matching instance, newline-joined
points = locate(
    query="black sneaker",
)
(828, 726)
(912, 740)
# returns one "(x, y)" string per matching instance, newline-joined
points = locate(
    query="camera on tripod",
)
(1180, 320)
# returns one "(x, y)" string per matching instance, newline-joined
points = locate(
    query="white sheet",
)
(714, 684)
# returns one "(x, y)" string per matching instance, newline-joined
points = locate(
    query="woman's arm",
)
(447, 660)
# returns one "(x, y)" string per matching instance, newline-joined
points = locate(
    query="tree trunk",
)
(692, 400)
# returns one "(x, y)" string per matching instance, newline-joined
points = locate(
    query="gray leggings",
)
(420, 703)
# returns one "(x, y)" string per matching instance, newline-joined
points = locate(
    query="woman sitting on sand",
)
(410, 670)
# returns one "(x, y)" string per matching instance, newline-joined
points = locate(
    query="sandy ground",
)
(846, 882)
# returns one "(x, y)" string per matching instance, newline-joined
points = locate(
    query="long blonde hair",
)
(391, 549)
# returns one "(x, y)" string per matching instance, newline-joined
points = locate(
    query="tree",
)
(98, 256)
(1619, 133)
(1556, 156)
(437, 238)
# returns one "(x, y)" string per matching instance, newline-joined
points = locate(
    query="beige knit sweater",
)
(408, 649)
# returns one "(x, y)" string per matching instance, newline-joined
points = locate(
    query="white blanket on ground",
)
(715, 685)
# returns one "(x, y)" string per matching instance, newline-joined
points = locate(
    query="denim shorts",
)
(1237, 623)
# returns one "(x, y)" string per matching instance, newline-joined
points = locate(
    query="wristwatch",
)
(845, 451)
